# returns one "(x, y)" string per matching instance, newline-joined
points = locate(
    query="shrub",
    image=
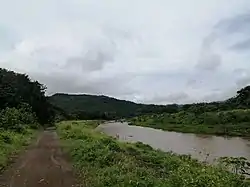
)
(17, 119)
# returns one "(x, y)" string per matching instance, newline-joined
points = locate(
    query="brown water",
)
(199, 146)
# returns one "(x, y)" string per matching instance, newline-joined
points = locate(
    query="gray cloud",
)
(242, 82)
(178, 97)
(8, 37)
(244, 45)
(219, 95)
(234, 26)
(239, 23)
(145, 52)
(60, 82)
(91, 61)
(209, 60)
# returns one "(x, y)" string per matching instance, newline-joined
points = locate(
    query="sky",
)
(147, 51)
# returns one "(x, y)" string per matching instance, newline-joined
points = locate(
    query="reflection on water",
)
(199, 146)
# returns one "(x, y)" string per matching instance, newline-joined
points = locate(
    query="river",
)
(201, 147)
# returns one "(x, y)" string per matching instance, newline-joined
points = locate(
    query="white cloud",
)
(158, 51)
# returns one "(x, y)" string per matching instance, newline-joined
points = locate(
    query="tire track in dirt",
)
(43, 164)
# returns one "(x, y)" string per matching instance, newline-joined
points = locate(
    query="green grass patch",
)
(230, 123)
(11, 143)
(103, 161)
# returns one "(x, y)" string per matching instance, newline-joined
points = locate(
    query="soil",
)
(43, 164)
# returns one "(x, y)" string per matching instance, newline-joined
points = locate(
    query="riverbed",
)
(202, 147)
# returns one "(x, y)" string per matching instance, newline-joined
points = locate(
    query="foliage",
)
(12, 142)
(103, 107)
(18, 119)
(16, 89)
(233, 123)
(238, 165)
(103, 161)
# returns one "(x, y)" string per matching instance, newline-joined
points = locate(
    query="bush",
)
(17, 119)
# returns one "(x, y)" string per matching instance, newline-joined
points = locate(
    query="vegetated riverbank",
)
(103, 161)
(229, 123)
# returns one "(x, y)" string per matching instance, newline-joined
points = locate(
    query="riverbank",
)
(103, 161)
(225, 123)
(11, 143)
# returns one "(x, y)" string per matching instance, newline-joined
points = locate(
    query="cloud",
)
(209, 60)
(92, 59)
(179, 97)
(8, 38)
(239, 23)
(244, 45)
(142, 50)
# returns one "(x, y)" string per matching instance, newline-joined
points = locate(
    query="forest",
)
(104, 107)
(24, 108)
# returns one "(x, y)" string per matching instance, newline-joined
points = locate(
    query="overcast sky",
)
(151, 51)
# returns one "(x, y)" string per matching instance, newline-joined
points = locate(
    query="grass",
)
(230, 123)
(103, 161)
(11, 143)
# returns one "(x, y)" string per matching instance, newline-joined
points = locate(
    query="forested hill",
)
(92, 106)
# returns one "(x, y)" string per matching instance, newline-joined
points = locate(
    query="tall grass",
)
(103, 161)
(11, 143)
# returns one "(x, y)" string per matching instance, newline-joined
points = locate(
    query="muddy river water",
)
(202, 147)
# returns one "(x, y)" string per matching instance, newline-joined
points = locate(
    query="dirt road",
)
(43, 164)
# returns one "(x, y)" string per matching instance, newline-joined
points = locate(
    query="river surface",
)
(202, 147)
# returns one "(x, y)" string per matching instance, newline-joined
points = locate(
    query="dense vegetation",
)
(103, 161)
(23, 108)
(231, 117)
(17, 89)
(103, 107)
(233, 122)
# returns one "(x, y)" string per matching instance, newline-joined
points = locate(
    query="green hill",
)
(104, 107)
(90, 105)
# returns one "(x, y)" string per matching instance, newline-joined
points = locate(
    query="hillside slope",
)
(91, 103)
(103, 105)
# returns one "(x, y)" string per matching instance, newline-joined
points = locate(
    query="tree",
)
(16, 88)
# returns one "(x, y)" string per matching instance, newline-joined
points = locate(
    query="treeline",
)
(23, 102)
(230, 117)
(240, 101)
(103, 107)
(232, 122)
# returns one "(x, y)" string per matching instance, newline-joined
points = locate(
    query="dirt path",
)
(43, 164)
